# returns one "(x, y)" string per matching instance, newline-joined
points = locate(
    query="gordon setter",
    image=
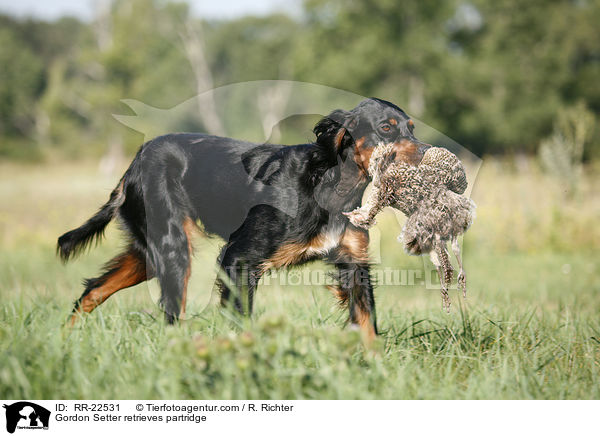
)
(275, 205)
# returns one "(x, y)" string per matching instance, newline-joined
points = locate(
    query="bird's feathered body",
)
(430, 196)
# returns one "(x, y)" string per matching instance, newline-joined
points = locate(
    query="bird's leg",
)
(447, 269)
(439, 257)
(364, 217)
(462, 279)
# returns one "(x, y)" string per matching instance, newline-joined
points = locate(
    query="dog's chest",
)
(324, 242)
(293, 253)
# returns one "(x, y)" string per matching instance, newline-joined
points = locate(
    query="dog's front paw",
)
(360, 218)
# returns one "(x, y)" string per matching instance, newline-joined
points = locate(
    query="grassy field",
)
(529, 329)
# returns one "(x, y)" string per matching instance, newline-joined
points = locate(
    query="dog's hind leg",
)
(169, 224)
(124, 271)
(171, 254)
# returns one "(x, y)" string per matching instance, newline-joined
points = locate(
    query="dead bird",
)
(430, 196)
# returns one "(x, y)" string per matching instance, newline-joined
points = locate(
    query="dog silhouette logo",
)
(26, 415)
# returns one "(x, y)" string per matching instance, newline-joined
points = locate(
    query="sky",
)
(83, 9)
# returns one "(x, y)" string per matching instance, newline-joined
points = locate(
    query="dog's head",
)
(357, 132)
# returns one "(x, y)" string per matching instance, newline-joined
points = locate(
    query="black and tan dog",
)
(276, 206)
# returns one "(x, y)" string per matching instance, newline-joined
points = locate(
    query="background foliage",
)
(494, 76)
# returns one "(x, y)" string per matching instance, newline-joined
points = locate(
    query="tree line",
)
(496, 76)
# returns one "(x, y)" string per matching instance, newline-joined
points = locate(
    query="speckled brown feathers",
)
(429, 195)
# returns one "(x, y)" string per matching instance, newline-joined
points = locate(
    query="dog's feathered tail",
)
(74, 242)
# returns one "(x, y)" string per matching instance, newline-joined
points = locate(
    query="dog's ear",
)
(335, 129)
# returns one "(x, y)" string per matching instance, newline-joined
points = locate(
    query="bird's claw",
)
(360, 218)
(446, 300)
(462, 283)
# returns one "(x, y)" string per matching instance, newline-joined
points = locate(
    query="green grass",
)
(529, 328)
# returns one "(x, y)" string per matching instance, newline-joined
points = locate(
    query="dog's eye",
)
(385, 127)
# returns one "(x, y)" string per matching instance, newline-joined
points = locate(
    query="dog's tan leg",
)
(355, 287)
(124, 271)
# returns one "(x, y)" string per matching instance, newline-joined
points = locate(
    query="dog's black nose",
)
(423, 148)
